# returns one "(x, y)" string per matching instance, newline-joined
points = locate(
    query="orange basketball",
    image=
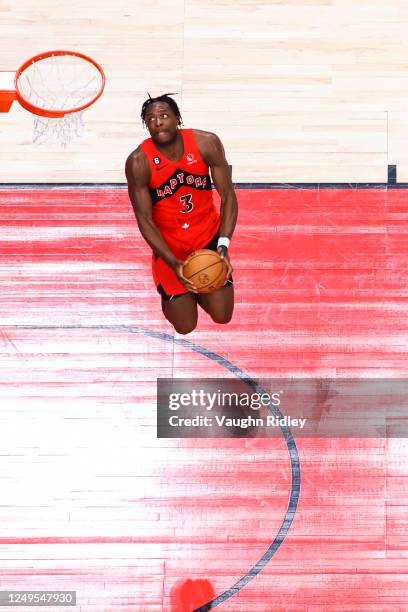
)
(206, 270)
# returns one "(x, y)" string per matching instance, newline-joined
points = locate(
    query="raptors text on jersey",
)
(182, 200)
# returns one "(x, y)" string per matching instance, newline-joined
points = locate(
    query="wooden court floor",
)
(92, 501)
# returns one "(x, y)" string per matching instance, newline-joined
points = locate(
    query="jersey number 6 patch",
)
(187, 202)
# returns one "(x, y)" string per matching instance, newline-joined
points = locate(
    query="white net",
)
(58, 83)
(61, 130)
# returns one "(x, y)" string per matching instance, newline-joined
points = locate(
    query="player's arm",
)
(137, 174)
(214, 154)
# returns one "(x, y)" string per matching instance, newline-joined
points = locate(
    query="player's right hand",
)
(178, 269)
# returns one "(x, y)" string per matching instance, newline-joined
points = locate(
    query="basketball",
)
(206, 270)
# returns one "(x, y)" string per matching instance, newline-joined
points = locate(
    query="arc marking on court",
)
(287, 434)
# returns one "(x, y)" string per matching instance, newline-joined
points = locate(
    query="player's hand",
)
(178, 269)
(223, 252)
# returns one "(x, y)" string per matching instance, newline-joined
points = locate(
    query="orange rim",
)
(37, 110)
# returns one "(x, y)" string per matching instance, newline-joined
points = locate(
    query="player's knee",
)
(221, 317)
(185, 328)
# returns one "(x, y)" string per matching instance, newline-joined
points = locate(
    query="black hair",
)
(163, 98)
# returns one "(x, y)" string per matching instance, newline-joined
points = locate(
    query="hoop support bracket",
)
(6, 100)
(7, 91)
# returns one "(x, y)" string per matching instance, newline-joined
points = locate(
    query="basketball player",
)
(170, 190)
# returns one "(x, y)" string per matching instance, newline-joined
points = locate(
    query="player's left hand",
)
(223, 252)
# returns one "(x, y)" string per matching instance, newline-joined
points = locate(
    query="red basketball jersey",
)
(182, 200)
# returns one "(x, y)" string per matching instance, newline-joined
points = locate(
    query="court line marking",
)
(287, 434)
(391, 185)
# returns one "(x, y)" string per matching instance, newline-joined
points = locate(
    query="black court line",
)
(391, 183)
(120, 186)
(287, 434)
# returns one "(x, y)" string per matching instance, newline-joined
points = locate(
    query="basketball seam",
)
(206, 268)
(197, 257)
(217, 279)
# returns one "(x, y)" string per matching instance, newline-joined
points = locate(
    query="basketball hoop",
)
(56, 87)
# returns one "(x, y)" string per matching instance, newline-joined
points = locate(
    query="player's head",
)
(162, 117)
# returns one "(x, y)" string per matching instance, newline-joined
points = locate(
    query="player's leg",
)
(178, 305)
(181, 311)
(219, 304)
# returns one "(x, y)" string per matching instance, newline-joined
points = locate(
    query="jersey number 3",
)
(187, 202)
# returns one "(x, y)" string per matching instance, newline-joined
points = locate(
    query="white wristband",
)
(223, 241)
